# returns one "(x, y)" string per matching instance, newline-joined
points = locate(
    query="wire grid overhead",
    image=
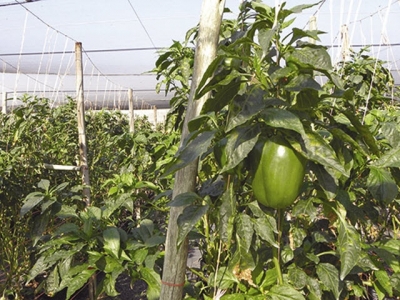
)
(121, 40)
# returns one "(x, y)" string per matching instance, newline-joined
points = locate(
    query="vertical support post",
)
(4, 102)
(344, 34)
(131, 112)
(175, 261)
(312, 26)
(82, 144)
(155, 115)
(81, 123)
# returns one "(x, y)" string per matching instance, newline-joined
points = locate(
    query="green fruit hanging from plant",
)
(278, 173)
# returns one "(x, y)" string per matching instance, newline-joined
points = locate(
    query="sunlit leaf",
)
(384, 282)
(349, 247)
(112, 241)
(153, 281)
(389, 159)
(31, 201)
(227, 211)
(244, 230)
(329, 276)
(382, 185)
(284, 292)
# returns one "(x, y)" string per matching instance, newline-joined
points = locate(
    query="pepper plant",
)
(339, 239)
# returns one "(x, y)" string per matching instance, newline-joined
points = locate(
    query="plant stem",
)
(277, 251)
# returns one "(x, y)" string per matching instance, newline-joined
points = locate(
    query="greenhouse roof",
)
(121, 40)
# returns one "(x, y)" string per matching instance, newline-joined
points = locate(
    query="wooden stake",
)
(131, 112)
(312, 26)
(82, 144)
(81, 123)
(155, 115)
(175, 260)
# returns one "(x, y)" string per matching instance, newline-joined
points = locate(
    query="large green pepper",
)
(279, 173)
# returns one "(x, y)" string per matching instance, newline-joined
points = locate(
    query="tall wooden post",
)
(82, 143)
(312, 26)
(131, 111)
(173, 277)
(4, 102)
(155, 115)
(81, 123)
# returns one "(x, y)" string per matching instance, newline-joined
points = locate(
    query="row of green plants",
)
(340, 239)
(52, 243)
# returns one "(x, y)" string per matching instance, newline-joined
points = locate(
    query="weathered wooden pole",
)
(81, 123)
(312, 26)
(173, 277)
(4, 102)
(155, 115)
(82, 143)
(131, 111)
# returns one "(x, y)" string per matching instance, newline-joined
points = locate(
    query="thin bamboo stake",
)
(82, 144)
(131, 112)
(173, 277)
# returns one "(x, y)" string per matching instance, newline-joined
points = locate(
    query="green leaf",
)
(44, 184)
(306, 99)
(297, 277)
(302, 82)
(305, 207)
(244, 107)
(147, 185)
(265, 228)
(384, 282)
(185, 199)
(279, 118)
(319, 151)
(188, 219)
(223, 280)
(389, 159)
(349, 247)
(227, 211)
(328, 183)
(244, 231)
(31, 201)
(313, 58)
(382, 185)
(299, 34)
(314, 288)
(191, 152)
(112, 241)
(76, 278)
(222, 97)
(153, 283)
(329, 276)
(60, 187)
(363, 130)
(109, 284)
(284, 292)
(239, 144)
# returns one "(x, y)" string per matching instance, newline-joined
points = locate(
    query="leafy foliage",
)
(342, 118)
